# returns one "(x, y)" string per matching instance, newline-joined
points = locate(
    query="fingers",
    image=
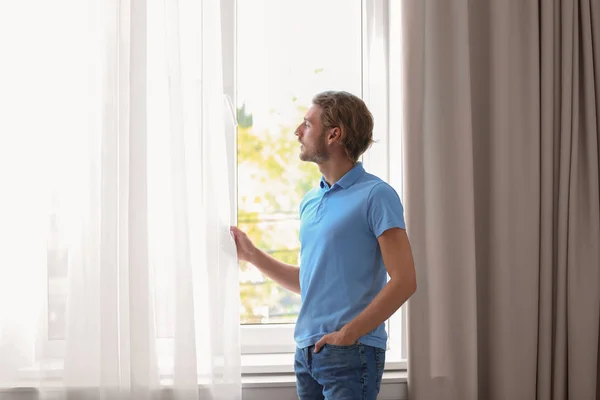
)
(237, 234)
(236, 231)
(320, 344)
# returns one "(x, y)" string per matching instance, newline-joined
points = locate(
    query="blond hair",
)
(349, 113)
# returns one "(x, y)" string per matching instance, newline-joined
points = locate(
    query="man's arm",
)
(284, 274)
(398, 260)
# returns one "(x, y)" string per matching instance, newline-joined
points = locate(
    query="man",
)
(352, 232)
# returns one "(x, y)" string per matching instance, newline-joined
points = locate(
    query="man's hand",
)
(246, 251)
(339, 338)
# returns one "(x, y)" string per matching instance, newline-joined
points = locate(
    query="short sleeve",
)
(385, 210)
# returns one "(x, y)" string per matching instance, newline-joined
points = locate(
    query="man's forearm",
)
(387, 302)
(284, 274)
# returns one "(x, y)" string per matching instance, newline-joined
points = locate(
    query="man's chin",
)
(306, 159)
(311, 158)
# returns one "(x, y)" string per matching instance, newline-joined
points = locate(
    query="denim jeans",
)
(339, 372)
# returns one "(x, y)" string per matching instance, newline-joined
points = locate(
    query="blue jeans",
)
(339, 372)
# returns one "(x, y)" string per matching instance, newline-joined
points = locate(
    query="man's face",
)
(312, 137)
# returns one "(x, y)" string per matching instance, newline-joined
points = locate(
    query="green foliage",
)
(244, 119)
(279, 180)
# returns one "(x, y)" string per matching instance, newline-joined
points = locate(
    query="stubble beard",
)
(319, 154)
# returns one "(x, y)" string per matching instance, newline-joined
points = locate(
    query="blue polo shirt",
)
(341, 267)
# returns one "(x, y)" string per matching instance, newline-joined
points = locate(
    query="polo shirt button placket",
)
(321, 206)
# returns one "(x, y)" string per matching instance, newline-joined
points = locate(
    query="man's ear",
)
(334, 134)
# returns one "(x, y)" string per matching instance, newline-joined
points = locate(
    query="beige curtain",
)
(502, 196)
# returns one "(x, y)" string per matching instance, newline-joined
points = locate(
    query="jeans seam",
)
(365, 375)
(377, 367)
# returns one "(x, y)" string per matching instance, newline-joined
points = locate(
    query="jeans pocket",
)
(333, 346)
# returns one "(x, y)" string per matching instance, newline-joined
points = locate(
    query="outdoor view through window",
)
(287, 51)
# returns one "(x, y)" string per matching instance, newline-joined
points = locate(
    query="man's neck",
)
(333, 170)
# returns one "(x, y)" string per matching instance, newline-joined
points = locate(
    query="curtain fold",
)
(119, 279)
(502, 197)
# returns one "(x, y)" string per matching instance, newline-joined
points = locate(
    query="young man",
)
(352, 235)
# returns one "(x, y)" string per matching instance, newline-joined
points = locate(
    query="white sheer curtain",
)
(118, 276)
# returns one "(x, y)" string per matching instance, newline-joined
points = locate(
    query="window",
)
(278, 54)
(285, 52)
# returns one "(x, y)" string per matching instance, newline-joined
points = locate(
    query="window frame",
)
(258, 342)
(381, 70)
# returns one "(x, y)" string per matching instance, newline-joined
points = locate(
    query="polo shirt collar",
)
(347, 180)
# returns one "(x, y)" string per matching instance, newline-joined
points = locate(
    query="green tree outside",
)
(269, 214)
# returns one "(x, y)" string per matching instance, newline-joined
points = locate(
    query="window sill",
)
(254, 387)
(251, 364)
(264, 376)
(283, 363)
(289, 380)
(283, 386)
